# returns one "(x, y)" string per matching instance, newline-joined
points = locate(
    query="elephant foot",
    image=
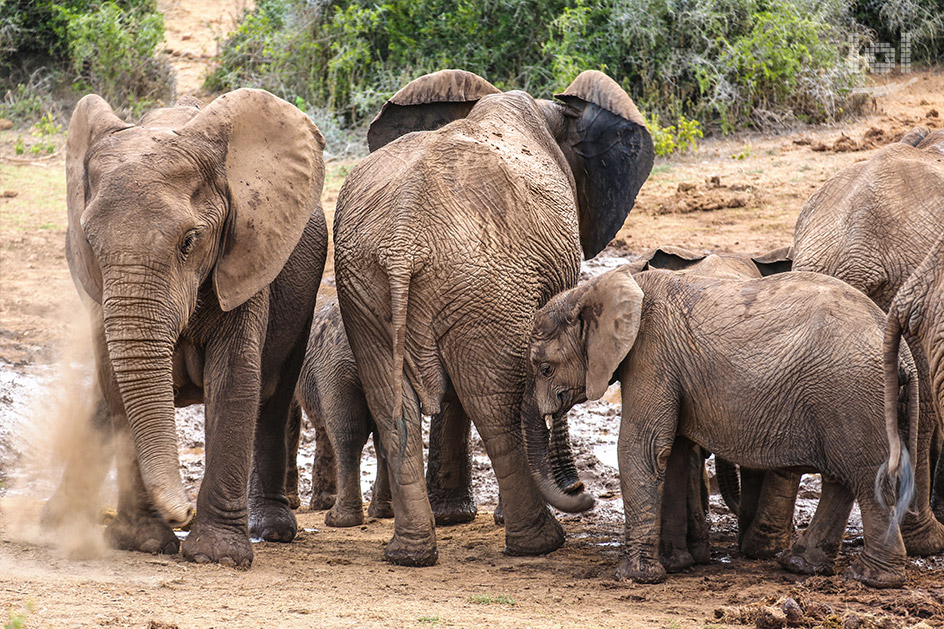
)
(380, 509)
(801, 560)
(211, 544)
(922, 538)
(145, 533)
(875, 576)
(499, 515)
(321, 500)
(676, 559)
(342, 517)
(454, 511)
(272, 520)
(700, 551)
(757, 545)
(418, 553)
(640, 570)
(544, 537)
(294, 501)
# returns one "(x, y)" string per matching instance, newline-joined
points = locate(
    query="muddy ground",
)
(738, 194)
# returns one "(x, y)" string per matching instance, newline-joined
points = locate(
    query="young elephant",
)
(777, 372)
(330, 392)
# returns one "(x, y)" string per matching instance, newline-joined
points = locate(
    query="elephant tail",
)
(898, 470)
(399, 277)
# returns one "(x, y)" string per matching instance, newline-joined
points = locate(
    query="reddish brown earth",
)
(734, 194)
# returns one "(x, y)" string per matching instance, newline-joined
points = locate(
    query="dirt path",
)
(734, 194)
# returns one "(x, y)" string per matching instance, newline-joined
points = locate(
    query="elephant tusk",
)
(575, 488)
(549, 420)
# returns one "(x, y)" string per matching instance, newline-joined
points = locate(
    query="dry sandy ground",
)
(738, 194)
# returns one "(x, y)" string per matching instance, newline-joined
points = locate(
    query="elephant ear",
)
(776, 261)
(427, 103)
(92, 119)
(610, 311)
(914, 137)
(610, 153)
(274, 172)
(933, 142)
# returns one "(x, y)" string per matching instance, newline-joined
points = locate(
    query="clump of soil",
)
(708, 196)
(891, 130)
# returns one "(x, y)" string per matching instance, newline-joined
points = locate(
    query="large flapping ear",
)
(610, 152)
(776, 261)
(427, 103)
(91, 120)
(610, 311)
(933, 142)
(914, 137)
(275, 172)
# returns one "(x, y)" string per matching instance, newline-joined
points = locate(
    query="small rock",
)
(715, 180)
(5, 124)
(186, 36)
(793, 612)
(770, 618)
(933, 113)
(686, 186)
(924, 102)
(9, 194)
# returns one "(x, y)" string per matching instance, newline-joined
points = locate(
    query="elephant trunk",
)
(552, 468)
(140, 333)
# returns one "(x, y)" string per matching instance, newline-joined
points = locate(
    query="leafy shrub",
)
(679, 137)
(106, 46)
(718, 61)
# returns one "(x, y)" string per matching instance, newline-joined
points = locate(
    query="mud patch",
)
(709, 196)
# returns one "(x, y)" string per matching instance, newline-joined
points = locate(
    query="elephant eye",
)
(189, 242)
(546, 369)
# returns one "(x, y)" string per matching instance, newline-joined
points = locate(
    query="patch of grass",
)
(488, 599)
(659, 169)
(16, 618)
(429, 620)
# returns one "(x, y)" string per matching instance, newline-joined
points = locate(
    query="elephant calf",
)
(777, 372)
(330, 391)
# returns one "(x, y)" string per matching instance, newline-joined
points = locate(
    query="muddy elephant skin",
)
(470, 213)
(196, 240)
(694, 357)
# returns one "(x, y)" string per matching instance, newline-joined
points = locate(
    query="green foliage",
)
(888, 20)
(429, 620)
(679, 137)
(16, 618)
(106, 46)
(488, 599)
(717, 61)
(21, 104)
(47, 126)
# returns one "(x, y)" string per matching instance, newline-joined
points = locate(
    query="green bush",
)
(105, 46)
(717, 61)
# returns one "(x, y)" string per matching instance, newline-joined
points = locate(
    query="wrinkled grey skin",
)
(694, 357)
(196, 241)
(765, 520)
(917, 311)
(330, 392)
(870, 226)
(447, 240)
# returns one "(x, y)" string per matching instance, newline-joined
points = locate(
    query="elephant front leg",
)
(673, 544)
(220, 531)
(324, 471)
(381, 502)
(349, 431)
(449, 475)
(643, 451)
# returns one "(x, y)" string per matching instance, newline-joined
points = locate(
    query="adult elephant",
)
(197, 242)
(471, 212)
(871, 225)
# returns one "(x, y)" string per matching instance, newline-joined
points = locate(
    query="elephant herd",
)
(196, 241)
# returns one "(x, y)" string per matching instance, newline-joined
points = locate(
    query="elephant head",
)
(594, 123)
(190, 198)
(579, 340)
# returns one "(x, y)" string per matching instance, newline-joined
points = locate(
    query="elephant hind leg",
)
(324, 471)
(882, 562)
(348, 428)
(817, 547)
(381, 502)
(770, 528)
(292, 437)
(449, 474)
